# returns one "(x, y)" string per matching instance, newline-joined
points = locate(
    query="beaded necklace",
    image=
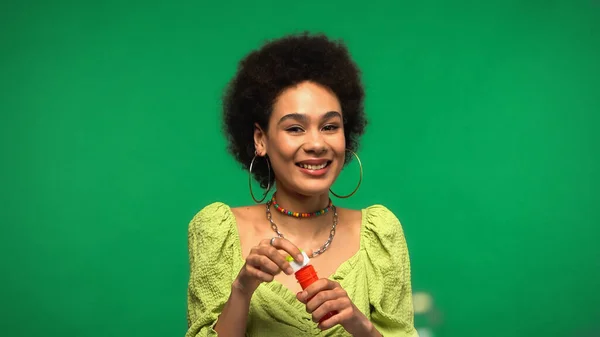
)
(298, 214)
(317, 252)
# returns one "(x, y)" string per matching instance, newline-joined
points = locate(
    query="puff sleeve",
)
(211, 256)
(388, 274)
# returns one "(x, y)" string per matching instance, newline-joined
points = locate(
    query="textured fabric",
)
(377, 279)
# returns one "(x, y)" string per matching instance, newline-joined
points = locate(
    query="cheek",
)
(278, 146)
(340, 155)
(340, 147)
(284, 152)
(281, 154)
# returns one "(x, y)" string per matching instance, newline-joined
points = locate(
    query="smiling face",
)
(305, 139)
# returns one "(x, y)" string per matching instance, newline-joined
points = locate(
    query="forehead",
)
(306, 98)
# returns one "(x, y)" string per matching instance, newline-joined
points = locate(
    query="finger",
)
(309, 252)
(288, 247)
(316, 287)
(323, 297)
(332, 306)
(277, 257)
(336, 319)
(259, 274)
(263, 263)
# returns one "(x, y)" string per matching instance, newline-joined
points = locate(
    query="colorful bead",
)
(300, 215)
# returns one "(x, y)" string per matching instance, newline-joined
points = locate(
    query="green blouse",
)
(376, 278)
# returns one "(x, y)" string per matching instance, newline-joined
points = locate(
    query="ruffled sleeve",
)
(211, 254)
(389, 283)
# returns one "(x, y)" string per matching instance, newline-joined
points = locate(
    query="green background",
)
(483, 140)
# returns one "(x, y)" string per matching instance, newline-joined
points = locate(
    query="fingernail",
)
(303, 295)
(299, 257)
(290, 271)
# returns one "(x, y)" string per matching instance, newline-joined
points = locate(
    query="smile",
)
(314, 167)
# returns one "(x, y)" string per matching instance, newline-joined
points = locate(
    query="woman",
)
(293, 115)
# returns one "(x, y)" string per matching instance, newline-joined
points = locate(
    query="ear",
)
(260, 140)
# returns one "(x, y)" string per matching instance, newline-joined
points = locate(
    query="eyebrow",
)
(302, 117)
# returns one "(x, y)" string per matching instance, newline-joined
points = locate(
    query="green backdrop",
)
(483, 140)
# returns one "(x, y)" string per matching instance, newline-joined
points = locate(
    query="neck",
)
(302, 229)
(300, 203)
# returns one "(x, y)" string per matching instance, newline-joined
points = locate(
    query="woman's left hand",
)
(325, 296)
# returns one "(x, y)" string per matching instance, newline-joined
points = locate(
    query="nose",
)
(315, 143)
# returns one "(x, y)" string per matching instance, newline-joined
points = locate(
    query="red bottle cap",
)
(306, 276)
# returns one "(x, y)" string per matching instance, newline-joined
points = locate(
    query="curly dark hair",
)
(279, 64)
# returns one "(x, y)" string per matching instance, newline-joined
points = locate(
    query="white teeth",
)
(313, 167)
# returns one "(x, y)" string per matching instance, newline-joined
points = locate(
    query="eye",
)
(294, 129)
(330, 127)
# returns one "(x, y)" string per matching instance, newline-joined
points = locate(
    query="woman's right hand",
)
(264, 262)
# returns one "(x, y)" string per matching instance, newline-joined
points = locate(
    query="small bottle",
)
(306, 275)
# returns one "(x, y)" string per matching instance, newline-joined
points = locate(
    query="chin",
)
(310, 189)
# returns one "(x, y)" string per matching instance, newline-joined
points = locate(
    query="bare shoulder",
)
(350, 217)
(350, 214)
(247, 215)
(251, 225)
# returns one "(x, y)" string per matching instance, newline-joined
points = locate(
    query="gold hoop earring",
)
(250, 180)
(359, 179)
